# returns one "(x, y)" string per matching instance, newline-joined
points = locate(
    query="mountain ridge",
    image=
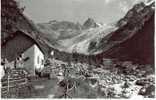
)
(94, 43)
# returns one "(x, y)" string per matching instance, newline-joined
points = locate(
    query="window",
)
(26, 59)
(38, 59)
(42, 62)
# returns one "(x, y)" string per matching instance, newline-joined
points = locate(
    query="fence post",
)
(8, 82)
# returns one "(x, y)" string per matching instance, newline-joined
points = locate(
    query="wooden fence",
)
(12, 82)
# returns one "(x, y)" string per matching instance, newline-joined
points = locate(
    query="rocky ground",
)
(116, 80)
(81, 80)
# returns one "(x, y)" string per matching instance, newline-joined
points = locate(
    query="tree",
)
(10, 14)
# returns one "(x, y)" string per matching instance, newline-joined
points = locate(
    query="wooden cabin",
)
(20, 43)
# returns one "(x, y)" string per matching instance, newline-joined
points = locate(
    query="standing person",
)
(16, 63)
(2, 68)
(21, 60)
(2, 73)
(4, 63)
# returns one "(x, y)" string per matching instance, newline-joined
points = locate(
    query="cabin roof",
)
(15, 34)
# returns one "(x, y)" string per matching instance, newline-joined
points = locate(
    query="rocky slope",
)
(60, 29)
(53, 31)
(134, 40)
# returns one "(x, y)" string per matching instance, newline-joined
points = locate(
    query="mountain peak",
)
(53, 21)
(90, 23)
(134, 15)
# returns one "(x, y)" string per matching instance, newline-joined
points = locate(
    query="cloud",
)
(108, 1)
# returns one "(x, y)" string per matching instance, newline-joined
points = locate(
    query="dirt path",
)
(44, 88)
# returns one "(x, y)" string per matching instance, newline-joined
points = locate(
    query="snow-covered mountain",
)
(69, 37)
(92, 38)
(90, 23)
(87, 39)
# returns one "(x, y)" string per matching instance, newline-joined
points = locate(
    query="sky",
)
(102, 11)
